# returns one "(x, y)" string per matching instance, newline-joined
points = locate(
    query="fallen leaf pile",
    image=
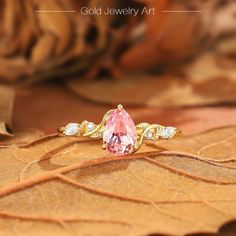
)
(68, 186)
(38, 45)
(184, 55)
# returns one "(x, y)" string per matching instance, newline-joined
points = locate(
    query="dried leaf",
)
(21, 138)
(12, 15)
(57, 23)
(25, 28)
(103, 21)
(174, 34)
(28, 30)
(163, 45)
(31, 19)
(6, 105)
(43, 49)
(57, 187)
(199, 89)
(220, 20)
(155, 21)
(12, 69)
(207, 68)
(192, 120)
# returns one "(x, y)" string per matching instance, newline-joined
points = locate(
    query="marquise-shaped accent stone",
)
(120, 133)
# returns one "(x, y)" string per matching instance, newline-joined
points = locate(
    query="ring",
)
(119, 133)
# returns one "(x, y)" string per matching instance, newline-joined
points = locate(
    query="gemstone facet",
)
(71, 129)
(90, 126)
(120, 133)
(149, 135)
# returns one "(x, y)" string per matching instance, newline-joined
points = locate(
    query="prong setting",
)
(120, 107)
(142, 131)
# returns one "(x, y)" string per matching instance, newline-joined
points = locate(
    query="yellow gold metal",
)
(100, 127)
(120, 107)
(143, 133)
(61, 130)
(142, 130)
(178, 133)
(104, 146)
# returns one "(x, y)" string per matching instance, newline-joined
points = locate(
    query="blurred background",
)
(167, 61)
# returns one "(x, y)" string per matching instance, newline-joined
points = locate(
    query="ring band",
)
(119, 133)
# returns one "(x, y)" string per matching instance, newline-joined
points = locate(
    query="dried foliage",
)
(172, 37)
(8, 134)
(6, 105)
(41, 45)
(53, 185)
(21, 137)
(68, 186)
(33, 109)
(165, 91)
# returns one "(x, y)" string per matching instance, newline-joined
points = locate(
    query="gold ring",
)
(119, 133)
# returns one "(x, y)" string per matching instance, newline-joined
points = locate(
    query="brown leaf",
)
(12, 69)
(162, 44)
(103, 21)
(32, 21)
(207, 68)
(18, 32)
(120, 42)
(12, 15)
(192, 120)
(57, 23)
(6, 105)
(21, 138)
(202, 88)
(28, 29)
(43, 49)
(59, 187)
(155, 21)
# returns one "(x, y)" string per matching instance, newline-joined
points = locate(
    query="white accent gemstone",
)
(90, 126)
(168, 132)
(149, 135)
(71, 129)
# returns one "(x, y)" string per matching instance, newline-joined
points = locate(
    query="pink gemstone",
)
(120, 133)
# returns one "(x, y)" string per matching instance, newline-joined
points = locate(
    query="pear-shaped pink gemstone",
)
(120, 133)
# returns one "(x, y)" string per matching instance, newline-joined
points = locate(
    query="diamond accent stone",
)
(72, 129)
(90, 126)
(168, 132)
(120, 133)
(149, 135)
